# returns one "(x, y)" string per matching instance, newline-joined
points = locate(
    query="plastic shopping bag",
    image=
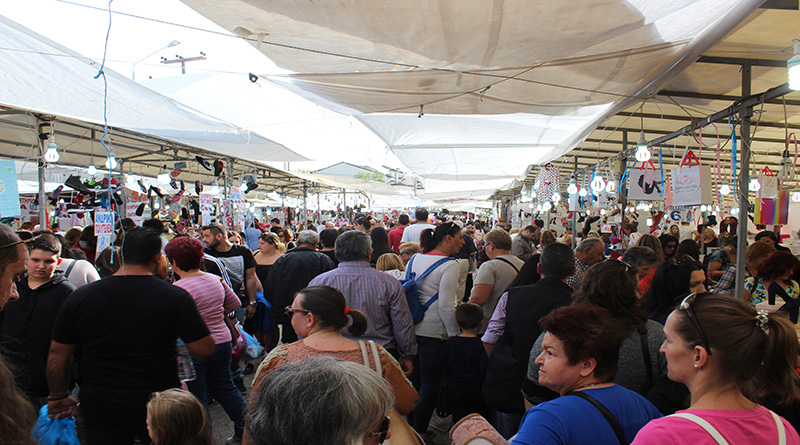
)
(51, 431)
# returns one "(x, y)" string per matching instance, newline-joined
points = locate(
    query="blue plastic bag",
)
(253, 349)
(51, 431)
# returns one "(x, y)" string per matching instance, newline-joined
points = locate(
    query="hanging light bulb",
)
(642, 150)
(533, 194)
(92, 170)
(51, 155)
(214, 188)
(572, 188)
(156, 204)
(796, 196)
(546, 207)
(611, 186)
(539, 208)
(582, 192)
(130, 180)
(649, 222)
(598, 184)
(602, 212)
(725, 189)
(716, 209)
(111, 162)
(754, 184)
(523, 191)
(794, 68)
(735, 211)
(163, 177)
(556, 197)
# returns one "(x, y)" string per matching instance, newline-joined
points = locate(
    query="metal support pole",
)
(305, 204)
(574, 213)
(744, 179)
(622, 188)
(42, 197)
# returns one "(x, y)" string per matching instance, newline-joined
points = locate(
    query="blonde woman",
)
(391, 264)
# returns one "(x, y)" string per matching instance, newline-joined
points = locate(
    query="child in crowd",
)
(466, 362)
(176, 417)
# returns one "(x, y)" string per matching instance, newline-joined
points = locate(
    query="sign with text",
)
(9, 195)
(103, 223)
(680, 213)
(236, 194)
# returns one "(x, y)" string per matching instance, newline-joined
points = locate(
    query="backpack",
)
(410, 287)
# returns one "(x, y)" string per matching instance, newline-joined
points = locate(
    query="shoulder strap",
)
(431, 269)
(702, 423)
(222, 270)
(409, 274)
(509, 263)
(781, 429)
(606, 413)
(364, 355)
(646, 355)
(375, 357)
(69, 268)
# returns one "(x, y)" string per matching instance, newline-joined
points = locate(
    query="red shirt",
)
(395, 235)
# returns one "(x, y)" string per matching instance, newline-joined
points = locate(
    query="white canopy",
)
(42, 76)
(475, 89)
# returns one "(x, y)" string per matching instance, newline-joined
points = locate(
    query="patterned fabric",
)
(727, 282)
(758, 292)
(574, 281)
(549, 181)
(497, 324)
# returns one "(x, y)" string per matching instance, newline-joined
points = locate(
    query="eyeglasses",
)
(686, 305)
(25, 239)
(627, 266)
(290, 311)
(383, 430)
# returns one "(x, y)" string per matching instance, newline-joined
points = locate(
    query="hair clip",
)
(762, 319)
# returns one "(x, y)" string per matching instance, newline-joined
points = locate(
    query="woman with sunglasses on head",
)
(614, 285)
(441, 287)
(318, 314)
(728, 355)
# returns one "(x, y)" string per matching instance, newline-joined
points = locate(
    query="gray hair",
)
(588, 243)
(353, 245)
(309, 237)
(10, 254)
(318, 400)
(640, 256)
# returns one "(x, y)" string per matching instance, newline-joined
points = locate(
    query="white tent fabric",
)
(564, 67)
(42, 76)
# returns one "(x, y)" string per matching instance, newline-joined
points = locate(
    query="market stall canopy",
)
(507, 83)
(41, 76)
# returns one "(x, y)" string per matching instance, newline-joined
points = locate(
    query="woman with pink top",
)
(728, 355)
(214, 299)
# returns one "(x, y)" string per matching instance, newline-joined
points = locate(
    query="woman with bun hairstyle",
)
(318, 315)
(729, 355)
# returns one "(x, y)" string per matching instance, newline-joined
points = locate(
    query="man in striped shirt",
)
(377, 294)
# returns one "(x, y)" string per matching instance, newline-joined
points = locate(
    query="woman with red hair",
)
(214, 299)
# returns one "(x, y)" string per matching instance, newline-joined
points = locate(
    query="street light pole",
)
(169, 45)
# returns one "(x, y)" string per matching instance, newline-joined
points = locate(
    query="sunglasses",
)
(686, 305)
(23, 239)
(623, 263)
(290, 311)
(383, 430)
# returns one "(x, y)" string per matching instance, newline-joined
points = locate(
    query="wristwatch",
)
(252, 303)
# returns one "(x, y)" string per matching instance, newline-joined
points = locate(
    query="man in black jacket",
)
(28, 321)
(525, 305)
(291, 272)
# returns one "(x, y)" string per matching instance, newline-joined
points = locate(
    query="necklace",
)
(590, 385)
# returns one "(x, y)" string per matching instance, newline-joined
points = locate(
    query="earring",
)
(695, 365)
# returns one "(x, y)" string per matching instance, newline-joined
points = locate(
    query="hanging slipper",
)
(176, 197)
(155, 190)
(140, 209)
(173, 183)
(141, 186)
(203, 163)
(175, 173)
(218, 166)
(75, 183)
(184, 213)
(198, 187)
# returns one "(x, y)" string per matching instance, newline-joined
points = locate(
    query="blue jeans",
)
(214, 375)
(429, 364)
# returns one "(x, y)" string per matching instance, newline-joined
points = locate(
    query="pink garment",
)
(751, 426)
(214, 299)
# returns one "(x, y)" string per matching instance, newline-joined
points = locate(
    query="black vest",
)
(508, 363)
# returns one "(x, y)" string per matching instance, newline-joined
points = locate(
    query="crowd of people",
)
(369, 329)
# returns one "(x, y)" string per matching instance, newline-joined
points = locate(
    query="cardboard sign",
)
(680, 214)
(339, 223)
(103, 223)
(236, 194)
(645, 185)
(9, 194)
(103, 242)
(130, 212)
